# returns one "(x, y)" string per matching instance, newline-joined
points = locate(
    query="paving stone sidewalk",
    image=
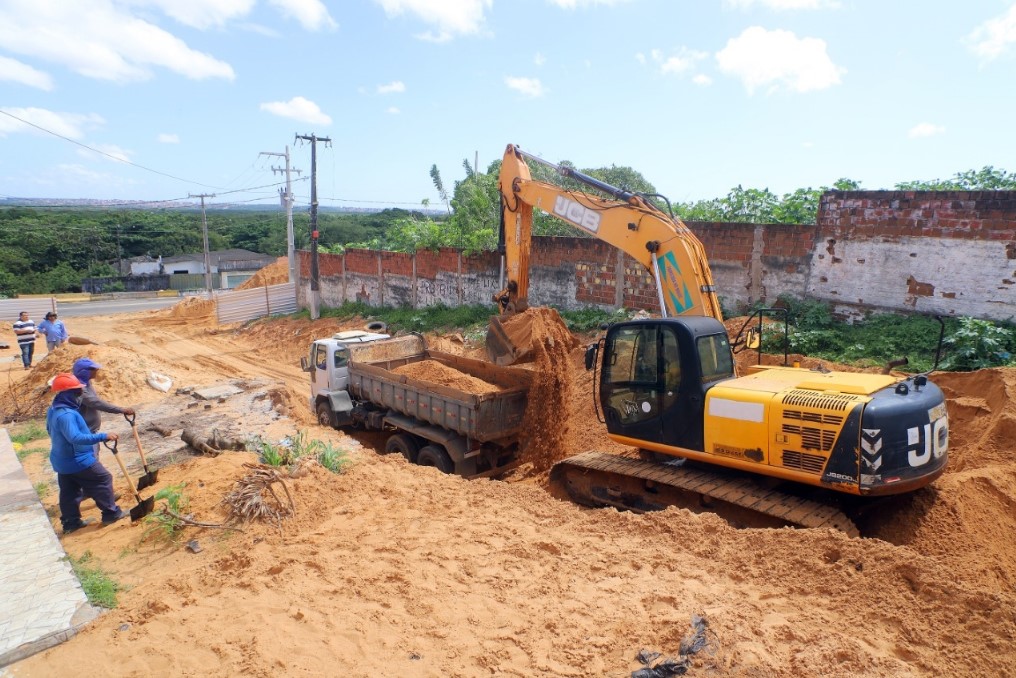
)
(41, 601)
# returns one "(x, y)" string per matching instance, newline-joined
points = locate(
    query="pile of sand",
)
(191, 310)
(272, 274)
(434, 372)
(123, 379)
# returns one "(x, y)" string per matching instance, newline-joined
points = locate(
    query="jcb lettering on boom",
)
(577, 214)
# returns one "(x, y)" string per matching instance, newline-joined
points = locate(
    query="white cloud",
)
(925, 129)
(994, 37)
(778, 60)
(81, 173)
(70, 125)
(573, 4)
(110, 150)
(529, 87)
(164, 138)
(685, 62)
(681, 63)
(100, 40)
(703, 80)
(783, 5)
(12, 70)
(312, 14)
(449, 18)
(298, 108)
(539, 59)
(393, 110)
(200, 14)
(393, 87)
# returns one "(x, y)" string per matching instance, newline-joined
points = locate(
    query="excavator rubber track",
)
(601, 479)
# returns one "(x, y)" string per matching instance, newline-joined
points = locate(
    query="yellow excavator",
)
(776, 446)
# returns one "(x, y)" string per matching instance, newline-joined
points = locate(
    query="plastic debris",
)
(160, 382)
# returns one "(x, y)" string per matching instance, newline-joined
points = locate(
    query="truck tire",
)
(376, 326)
(325, 416)
(435, 455)
(404, 444)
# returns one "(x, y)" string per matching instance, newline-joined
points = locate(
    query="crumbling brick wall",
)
(952, 253)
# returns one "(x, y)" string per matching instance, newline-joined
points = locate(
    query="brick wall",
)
(952, 253)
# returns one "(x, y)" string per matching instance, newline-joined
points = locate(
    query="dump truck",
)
(364, 380)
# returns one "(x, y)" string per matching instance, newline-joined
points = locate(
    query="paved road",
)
(77, 309)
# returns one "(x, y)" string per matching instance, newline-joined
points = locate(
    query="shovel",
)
(150, 477)
(145, 506)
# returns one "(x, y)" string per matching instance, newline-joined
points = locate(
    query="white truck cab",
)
(329, 372)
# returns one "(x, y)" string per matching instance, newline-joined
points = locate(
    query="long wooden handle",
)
(137, 439)
(130, 483)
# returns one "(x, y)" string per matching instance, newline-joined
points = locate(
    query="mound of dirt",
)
(435, 372)
(123, 379)
(272, 274)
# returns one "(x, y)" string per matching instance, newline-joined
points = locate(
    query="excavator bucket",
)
(510, 339)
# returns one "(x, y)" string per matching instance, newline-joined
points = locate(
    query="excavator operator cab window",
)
(715, 358)
(631, 380)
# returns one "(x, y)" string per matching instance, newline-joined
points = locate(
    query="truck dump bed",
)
(488, 417)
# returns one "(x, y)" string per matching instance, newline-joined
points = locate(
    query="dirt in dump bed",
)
(435, 372)
(272, 274)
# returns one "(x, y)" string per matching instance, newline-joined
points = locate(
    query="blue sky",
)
(697, 95)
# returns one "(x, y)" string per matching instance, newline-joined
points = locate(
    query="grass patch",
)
(99, 587)
(968, 344)
(33, 430)
(298, 447)
(42, 488)
(24, 452)
(161, 522)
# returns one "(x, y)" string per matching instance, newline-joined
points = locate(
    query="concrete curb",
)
(42, 603)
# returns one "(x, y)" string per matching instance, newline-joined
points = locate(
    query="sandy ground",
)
(390, 569)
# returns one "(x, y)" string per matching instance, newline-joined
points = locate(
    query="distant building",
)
(145, 265)
(229, 267)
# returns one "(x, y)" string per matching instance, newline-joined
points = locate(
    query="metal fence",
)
(241, 305)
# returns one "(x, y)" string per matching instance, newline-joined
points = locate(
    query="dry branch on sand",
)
(248, 500)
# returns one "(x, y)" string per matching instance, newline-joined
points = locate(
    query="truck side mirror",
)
(590, 356)
(305, 364)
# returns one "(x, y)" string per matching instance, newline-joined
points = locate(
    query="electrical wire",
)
(95, 150)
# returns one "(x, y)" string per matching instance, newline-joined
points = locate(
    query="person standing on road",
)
(73, 456)
(92, 406)
(54, 330)
(25, 330)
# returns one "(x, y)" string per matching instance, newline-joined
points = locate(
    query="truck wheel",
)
(404, 445)
(325, 416)
(434, 455)
(376, 326)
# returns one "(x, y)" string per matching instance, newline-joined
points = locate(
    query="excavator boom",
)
(663, 244)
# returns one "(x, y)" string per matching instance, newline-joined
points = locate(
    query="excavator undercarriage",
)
(599, 479)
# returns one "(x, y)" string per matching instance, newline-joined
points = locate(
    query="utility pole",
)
(287, 201)
(315, 284)
(204, 236)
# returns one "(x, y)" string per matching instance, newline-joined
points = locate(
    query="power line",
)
(95, 150)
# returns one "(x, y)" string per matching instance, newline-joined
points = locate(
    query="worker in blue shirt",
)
(73, 455)
(55, 331)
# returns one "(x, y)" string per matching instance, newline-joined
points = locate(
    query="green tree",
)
(985, 179)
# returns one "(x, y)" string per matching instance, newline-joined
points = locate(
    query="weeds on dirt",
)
(24, 452)
(33, 430)
(300, 446)
(165, 521)
(878, 338)
(99, 587)
(42, 488)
